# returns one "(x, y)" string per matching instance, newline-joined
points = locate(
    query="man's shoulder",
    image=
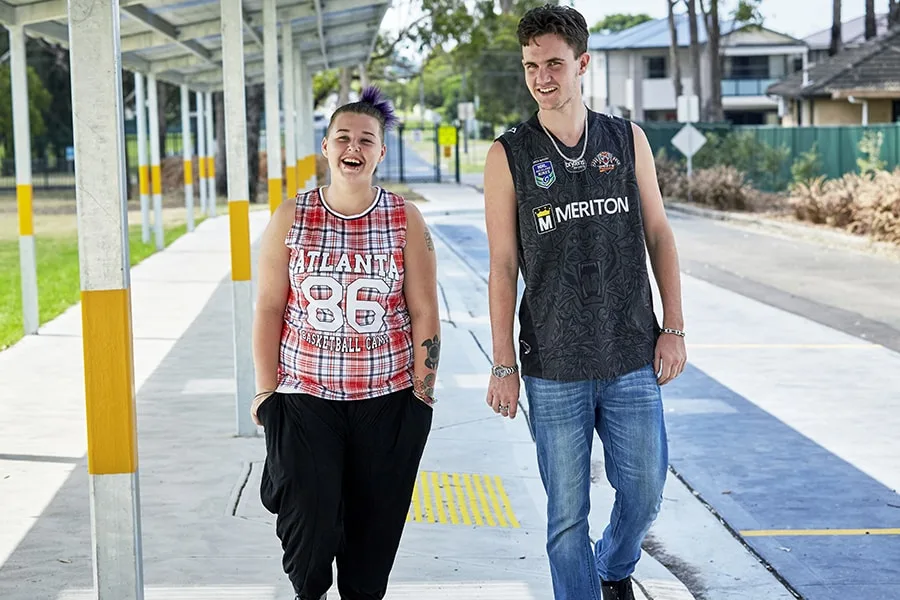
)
(513, 132)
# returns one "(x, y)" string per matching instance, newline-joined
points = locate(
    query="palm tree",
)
(673, 50)
(871, 31)
(836, 41)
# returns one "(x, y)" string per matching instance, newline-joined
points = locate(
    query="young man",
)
(571, 199)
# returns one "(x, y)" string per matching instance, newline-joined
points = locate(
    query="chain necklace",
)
(573, 165)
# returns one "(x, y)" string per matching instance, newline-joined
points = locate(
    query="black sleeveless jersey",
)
(587, 309)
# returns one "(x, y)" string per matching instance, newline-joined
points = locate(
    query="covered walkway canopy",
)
(203, 46)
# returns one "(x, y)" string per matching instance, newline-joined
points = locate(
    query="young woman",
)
(346, 342)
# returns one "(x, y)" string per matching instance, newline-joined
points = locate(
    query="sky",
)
(797, 18)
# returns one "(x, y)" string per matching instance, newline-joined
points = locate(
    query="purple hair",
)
(372, 95)
(373, 103)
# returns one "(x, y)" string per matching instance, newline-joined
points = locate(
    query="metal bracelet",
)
(677, 332)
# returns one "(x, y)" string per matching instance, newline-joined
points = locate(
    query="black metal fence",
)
(422, 154)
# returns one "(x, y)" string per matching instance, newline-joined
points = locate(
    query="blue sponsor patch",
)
(544, 176)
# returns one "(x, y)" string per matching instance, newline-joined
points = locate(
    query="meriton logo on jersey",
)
(546, 217)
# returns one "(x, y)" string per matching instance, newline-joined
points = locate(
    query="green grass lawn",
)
(58, 275)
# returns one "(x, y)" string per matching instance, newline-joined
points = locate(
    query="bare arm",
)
(273, 286)
(501, 219)
(420, 290)
(662, 252)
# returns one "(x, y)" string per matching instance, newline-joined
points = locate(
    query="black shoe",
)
(618, 590)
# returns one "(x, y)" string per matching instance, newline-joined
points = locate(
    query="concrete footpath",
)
(476, 529)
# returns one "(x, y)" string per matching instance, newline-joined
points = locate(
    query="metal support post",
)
(188, 153)
(155, 169)
(273, 129)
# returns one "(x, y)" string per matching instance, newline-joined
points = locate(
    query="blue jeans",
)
(627, 415)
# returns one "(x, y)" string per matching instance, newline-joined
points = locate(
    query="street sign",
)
(447, 135)
(465, 111)
(688, 109)
(70, 153)
(689, 140)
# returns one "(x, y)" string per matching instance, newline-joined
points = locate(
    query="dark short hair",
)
(372, 103)
(566, 22)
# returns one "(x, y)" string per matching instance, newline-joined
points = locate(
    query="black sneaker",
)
(618, 590)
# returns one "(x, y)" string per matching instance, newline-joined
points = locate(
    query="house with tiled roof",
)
(858, 86)
(630, 72)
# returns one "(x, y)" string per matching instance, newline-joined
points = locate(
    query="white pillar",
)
(201, 153)
(300, 134)
(865, 112)
(290, 125)
(307, 87)
(273, 129)
(238, 209)
(210, 157)
(188, 152)
(140, 107)
(155, 169)
(24, 194)
(101, 198)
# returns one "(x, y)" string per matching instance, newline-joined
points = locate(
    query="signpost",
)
(688, 141)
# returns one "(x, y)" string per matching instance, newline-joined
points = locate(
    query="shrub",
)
(671, 176)
(807, 166)
(762, 164)
(865, 204)
(722, 187)
(870, 148)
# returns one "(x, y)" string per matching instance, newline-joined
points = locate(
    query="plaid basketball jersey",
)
(347, 333)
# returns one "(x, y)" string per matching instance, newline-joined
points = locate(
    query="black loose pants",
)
(339, 476)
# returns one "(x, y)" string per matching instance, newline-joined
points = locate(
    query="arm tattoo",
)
(429, 243)
(434, 352)
(425, 388)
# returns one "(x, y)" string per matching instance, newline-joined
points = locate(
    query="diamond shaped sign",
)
(689, 140)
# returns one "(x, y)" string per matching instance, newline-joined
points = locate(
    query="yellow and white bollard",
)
(155, 169)
(273, 129)
(140, 105)
(98, 128)
(201, 153)
(210, 157)
(188, 153)
(238, 210)
(24, 189)
(290, 125)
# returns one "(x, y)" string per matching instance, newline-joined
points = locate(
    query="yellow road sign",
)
(447, 135)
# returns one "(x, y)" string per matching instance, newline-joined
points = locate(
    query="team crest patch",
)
(605, 162)
(543, 219)
(544, 176)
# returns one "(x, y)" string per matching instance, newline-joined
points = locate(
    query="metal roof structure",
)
(180, 41)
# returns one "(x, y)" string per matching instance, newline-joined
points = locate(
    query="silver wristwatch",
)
(501, 371)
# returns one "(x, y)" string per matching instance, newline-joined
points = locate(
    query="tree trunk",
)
(673, 50)
(893, 13)
(344, 96)
(255, 99)
(506, 6)
(363, 76)
(696, 82)
(714, 111)
(836, 41)
(871, 30)
(221, 162)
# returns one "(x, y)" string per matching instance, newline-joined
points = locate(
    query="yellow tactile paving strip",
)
(461, 499)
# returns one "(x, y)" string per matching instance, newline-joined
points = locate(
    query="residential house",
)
(630, 72)
(859, 85)
(853, 34)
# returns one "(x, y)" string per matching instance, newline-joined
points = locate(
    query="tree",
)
(748, 12)
(673, 50)
(255, 99)
(696, 82)
(836, 38)
(39, 100)
(871, 30)
(619, 22)
(893, 13)
(714, 111)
